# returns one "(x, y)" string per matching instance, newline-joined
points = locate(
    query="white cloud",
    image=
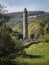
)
(18, 8)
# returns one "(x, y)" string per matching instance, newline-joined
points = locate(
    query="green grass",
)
(40, 53)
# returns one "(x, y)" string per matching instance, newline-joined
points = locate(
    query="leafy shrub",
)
(44, 38)
(32, 36)
(9, 49)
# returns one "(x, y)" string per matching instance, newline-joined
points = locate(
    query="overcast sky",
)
(19, 5)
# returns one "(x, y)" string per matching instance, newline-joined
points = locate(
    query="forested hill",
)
(20, 14)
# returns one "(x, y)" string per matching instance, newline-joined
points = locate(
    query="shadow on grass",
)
(7, 62)
(31, 56)
(31, 44)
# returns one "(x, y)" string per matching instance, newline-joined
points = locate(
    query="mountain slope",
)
(20, 14)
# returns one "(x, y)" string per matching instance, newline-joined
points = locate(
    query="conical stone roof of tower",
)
(25, 10)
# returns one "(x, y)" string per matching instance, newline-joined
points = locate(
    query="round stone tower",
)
(25, 25)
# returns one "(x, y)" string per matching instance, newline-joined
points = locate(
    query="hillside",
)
(17, 20)
(11, 39)
(16, 17)
(36, 54)
(37, 25)
(20, 14)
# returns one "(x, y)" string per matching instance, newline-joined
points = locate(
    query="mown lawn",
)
(37, 54)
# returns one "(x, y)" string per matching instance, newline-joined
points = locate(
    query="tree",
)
(9, 49)
(2, 9)
(3, 17)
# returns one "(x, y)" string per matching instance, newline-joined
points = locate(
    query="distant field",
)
(37, 54)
